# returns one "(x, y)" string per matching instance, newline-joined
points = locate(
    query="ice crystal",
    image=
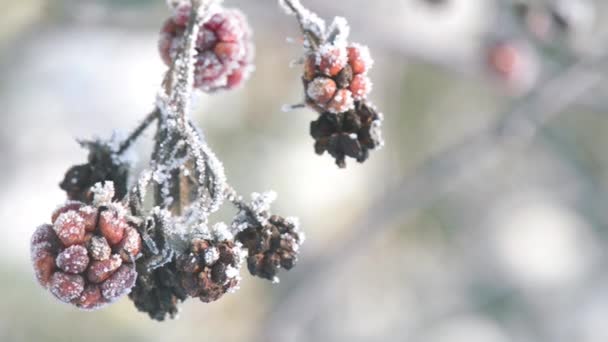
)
(103, 193)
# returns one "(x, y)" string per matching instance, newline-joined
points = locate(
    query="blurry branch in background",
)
(446, 172)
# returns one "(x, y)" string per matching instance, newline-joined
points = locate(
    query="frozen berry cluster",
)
(350, 134)
(211, 268)
(272, 242)
(335, 77)
(86, 256)
(272, 246)
(224, 47)
(337, 86)
(102, 166)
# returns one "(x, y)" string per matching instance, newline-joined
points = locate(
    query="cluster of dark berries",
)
(86, 256)
(272, 242)
(272, 246)
(224, 47)
(211, 267)
(102, 166)
(349, 134)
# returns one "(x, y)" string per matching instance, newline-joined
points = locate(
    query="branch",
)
(150, 118)
(448, 171)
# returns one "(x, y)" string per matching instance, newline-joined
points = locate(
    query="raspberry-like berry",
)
(353, 133)
(321, 90)
(360, 87)
(210, 269)
(272, 246)
(341, 102)
(225, 53)
(335, 77)
(331, 59)
(359, 58)
(86, 256)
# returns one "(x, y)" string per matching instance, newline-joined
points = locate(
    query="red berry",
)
(342, 102)
(331, 59)
(73, 259)
(130, 245)
(69, 206)
(99, 271)
(44, 265)
(112, 226)
(359, 58)
(206, 39)
(70, 228)
(237, 77)
(224, 50)
(227, 52)
(99, 248)
(89, 215)
(90, 298)
(66, 287)
(360, 87)
(46, 234)
(120, 283)
(181, 13)
(321, 90)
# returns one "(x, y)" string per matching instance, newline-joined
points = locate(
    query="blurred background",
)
(484, 218)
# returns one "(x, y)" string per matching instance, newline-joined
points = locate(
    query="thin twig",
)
(444, 173)
(149, 119)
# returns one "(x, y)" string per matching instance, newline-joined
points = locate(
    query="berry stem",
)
(148, 120)
(301, 13)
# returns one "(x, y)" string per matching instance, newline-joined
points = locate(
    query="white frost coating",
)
(221, 232)
(332, 53)
(211, 256)
(103, 193)
(338, 32)
(364, 55)
(232, 272)
(318, 88)
(310, 21)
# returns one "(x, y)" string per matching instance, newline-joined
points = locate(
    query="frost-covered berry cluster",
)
(150, 236)
(336, 85)
(224, 50)
(86, 257)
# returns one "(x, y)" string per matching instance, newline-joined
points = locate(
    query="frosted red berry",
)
(66, 287)
(119, 283)
(359, 58)
(70, 228)
(224, 52)
(341, 102)
(335, 77)
(331, 59)
(360, 87)
(321, 90)
(90, 298)
(112, 226)
(73, 259)
(99, 271)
